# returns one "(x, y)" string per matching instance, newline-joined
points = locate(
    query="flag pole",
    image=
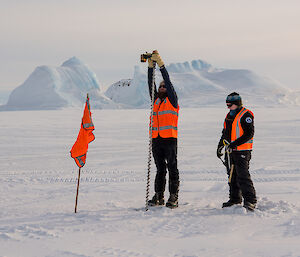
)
(77, 190)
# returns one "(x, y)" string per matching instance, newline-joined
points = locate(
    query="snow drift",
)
(57, 87)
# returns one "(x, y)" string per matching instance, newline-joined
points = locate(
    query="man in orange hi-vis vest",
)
(238, 131)
(164, 135)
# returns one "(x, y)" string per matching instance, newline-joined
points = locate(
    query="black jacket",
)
(247, 123)
(170, 89)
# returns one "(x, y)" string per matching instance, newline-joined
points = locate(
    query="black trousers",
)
(165, 156)
(241, 183)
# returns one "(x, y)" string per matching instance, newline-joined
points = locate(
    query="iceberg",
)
(199, 83)
(49, 88)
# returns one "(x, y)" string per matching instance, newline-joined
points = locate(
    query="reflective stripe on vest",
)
(166, 112)
(237, 131)
(165, 119)
(164, 128)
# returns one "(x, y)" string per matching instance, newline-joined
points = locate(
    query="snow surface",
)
(38, 186)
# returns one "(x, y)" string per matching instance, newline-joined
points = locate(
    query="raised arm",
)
(170, 89)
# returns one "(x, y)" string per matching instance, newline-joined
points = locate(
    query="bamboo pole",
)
(77, 190)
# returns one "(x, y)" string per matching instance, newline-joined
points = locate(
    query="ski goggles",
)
(232, 98)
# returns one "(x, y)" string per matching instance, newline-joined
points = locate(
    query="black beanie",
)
(234, 98)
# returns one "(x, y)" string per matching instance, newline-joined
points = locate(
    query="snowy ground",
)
(38, 185)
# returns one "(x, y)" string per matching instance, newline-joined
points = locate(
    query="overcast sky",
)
(109, 36)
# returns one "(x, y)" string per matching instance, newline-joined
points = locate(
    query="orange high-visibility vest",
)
(165, 119)
(237, 130)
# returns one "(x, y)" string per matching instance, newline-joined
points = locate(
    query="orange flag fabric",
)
(85, 136)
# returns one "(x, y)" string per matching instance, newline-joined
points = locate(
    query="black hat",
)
(234, 98)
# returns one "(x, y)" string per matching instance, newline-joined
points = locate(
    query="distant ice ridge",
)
(198, 83)
(58, 87)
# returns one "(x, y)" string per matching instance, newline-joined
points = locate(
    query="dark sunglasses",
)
(164, 86)
(229, 105)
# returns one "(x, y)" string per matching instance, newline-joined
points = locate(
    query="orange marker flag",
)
(85, 136)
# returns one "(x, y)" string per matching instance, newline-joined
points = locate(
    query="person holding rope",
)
(238, 133)
(164, 134)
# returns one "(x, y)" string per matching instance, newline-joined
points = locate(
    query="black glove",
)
(231, 147)
(219, 151)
